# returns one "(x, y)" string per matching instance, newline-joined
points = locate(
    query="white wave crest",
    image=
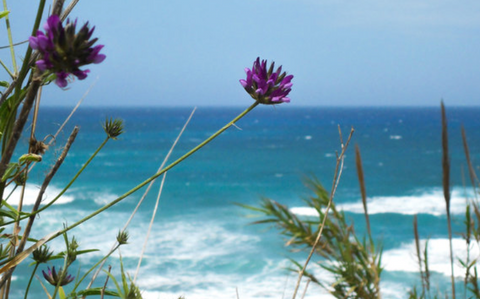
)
(31, 194)
(405, 259)
(427, 202)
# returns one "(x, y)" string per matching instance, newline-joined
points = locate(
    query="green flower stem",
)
(94, 266)
(10, 40)
(66, 187)
(138, 187)
(74, 178)
(31, 278)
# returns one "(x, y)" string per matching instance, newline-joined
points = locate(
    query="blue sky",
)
(342, 53)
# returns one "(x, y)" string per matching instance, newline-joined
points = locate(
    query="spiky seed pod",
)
(122, 237)
(113, 127)
(42, 254)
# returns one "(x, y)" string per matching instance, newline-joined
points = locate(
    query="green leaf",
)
(11, 171)
(11, 213)
(8, 111)
(4, 84)
(4, 13)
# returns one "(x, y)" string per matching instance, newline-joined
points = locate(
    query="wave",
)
(31, 194)
(426, 202)
(211, 258)
(100, 198)
(404, 258)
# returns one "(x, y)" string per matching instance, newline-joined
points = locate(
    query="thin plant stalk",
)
(106, 282)
(14, 240)
(67, 119)
(6, 69)
(73, 111)
(10, 40)
(68, 10)
(419, 255)
(44, 186)
(146, 191)
(446, 189)
(27, 64)
(16, 84)
(159, 169)
(467, 236)
(30, 280)
(35, 116)
(154, 213)
(15, 44)
(336, 181)
(306, 287)
(10, 194)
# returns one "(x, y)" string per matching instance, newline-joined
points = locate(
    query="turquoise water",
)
(201, 245)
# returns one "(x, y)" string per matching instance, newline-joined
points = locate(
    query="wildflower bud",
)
(122, 237)
(266, 86)
(42, 254)
(72, 251)
(59, 278)
(63, 51)
(113, 128)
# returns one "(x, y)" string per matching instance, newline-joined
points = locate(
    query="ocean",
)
(202, 245)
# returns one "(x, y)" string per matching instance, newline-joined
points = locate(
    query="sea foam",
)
(404, 258)
(425, 202)
(31, 194)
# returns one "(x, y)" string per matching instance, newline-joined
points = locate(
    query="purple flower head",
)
(54, 278)
(63, 50)
(266, 86)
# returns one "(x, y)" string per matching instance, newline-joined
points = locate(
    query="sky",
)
(341, 53)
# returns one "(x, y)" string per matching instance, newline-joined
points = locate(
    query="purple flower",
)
(63, 51)
(53, 277)
(267, 86)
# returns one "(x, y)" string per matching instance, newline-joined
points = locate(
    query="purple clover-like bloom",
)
(63, 51)
(266, 86)
(53, 277)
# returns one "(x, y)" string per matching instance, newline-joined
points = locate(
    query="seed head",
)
(42, 254)
(122, 237)
(113, 128)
